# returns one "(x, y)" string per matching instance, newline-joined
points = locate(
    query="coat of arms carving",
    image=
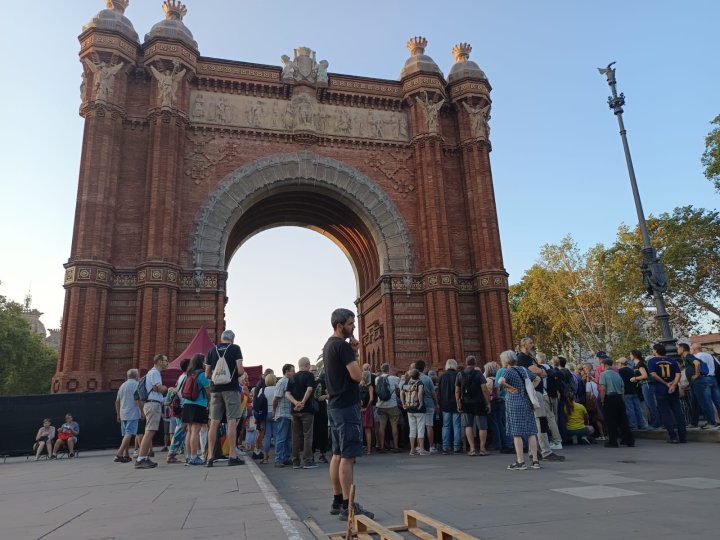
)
(304, 67)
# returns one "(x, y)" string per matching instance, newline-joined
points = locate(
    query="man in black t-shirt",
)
(224, 398)
(343, 375)
(299, 392)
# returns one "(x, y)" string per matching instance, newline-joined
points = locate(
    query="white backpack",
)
(221, 374)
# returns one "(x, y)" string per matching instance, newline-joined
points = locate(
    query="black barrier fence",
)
(22, 416)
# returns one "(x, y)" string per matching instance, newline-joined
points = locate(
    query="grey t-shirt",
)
(126, 396)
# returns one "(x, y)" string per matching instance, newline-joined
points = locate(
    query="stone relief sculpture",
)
(103, 78)
(168, 83)
(301, 113)
(430, 111)
(83, 86)
(304, 67)
(479, 117)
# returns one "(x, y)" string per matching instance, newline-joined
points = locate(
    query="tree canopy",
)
(27, 364)
(575, 303)
(711, 157)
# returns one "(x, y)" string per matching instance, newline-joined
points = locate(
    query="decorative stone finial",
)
(117, 5)
(461, 51)
(174, 10)
(417, 45)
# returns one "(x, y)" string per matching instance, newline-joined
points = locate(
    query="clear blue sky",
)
(557, 159)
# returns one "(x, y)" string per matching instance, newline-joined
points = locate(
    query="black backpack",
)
(382, 386)
(364, 395)
(555, 383)
(260, 406)
(470, 391)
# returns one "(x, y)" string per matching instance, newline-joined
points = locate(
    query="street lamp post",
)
(653, 273)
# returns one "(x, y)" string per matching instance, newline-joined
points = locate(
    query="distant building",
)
(709, 342)
(32, 316)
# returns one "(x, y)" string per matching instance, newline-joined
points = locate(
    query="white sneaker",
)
(433, 450)
(554, 446)
(424, 452)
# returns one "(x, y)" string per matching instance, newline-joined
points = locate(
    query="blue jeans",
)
(714, 391)
(283, 439)
(635, 415)
(672, 415)
(651, 404)
(497, 425)
(451, 427)
(270, 432)
(701, 388)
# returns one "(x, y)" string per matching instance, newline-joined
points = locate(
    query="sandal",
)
(481, 453)
(472, 453)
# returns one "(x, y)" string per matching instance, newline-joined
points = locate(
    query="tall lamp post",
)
(653, 273)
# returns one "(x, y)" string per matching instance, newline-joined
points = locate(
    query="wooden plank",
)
(315, 529)
(417, 532)
(444, 532)
(364, 524)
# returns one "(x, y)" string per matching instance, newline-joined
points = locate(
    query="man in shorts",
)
(152, 410)
(127, 411)
(225, 398)
(343, 374)
(473, 402)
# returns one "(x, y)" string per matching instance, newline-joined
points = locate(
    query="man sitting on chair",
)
(67, 435)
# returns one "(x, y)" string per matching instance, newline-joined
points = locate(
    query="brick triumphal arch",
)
(185, 157)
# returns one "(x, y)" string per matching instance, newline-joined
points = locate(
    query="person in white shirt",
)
(152, 410)
(127, 412)
(710, 379)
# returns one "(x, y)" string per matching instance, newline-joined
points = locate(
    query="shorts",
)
(225, 403)
(194, 414)
(416, 425)
(129, 427)
(474, 421)
(346, 431)
(429, 417)
(392, 413)
(153, 415)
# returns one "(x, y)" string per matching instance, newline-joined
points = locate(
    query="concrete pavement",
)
(93, 498)
(655, 490)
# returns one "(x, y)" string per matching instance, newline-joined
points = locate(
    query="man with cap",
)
(225, 398)
(611, 389)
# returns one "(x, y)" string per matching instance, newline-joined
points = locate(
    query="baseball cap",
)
(601, 354)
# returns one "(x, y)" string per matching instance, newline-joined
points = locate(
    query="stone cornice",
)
(449, 280)
(108, 41)
(148, 274)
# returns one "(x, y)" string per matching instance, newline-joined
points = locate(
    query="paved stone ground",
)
(654, 490)
(92, 498)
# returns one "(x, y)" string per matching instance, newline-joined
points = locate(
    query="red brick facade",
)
(174, 179)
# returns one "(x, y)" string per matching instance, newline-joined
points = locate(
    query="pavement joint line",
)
(163, 491)
(63, 524)
(273, 499)
(188, 513)
(66, 502)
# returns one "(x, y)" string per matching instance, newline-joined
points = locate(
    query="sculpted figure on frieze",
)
(430, 111)
(103, 78)
(168, 83)
(479, 117)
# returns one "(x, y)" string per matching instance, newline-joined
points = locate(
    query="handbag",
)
(529, 389)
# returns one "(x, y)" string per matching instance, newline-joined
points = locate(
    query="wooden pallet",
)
(415, 523)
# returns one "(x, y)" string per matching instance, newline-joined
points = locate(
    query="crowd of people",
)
(521, 403)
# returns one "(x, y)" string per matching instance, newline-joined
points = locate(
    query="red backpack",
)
(191, 387)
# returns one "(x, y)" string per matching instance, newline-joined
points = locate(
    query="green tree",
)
(711, 157)
(687, 243)
(26, 363)
(569, 304)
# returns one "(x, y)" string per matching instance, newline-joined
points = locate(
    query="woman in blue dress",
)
(520, 420)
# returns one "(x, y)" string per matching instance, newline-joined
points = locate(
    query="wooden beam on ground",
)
(315, 529)
(364, 524)
(444, 532)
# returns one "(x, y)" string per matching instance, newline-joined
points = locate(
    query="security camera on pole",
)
(653, 273)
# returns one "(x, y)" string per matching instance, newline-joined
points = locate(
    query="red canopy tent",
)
(201, 343)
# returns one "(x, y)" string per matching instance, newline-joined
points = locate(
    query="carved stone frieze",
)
(301, 113)
(304, 68)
